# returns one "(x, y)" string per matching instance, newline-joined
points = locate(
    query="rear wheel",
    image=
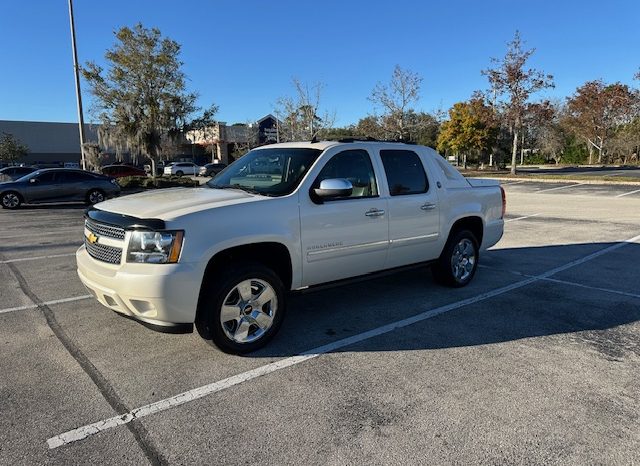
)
(94, 196)
(459, 260)
(10, 200)
(242, 309)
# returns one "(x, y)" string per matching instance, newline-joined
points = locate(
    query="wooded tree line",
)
(505, 124)
(143, 105)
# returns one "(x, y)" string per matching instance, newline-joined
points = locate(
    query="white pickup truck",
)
(284, 217)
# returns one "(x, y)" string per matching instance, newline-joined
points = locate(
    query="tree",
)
(11, 149)
(596, 109)
(395, 99)
(625, 144)
(471, 128)
(142, 99)
(92, 154)
(299, 115)
(509, 79)
(205, 127)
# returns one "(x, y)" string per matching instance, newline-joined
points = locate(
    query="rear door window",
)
(405, 173)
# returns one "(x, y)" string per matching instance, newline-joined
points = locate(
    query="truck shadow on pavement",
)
(540, 309)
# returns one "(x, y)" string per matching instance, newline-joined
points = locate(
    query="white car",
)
(284, 217)
(182, 168)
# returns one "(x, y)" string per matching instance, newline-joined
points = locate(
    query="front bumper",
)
(158, 294)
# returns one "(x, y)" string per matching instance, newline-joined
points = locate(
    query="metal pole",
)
(77, 78)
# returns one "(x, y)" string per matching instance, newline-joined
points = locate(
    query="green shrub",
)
(138, 182)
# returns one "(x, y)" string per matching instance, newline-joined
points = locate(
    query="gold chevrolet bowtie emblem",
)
(92, 238)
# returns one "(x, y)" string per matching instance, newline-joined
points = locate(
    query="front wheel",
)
(11, 200)
(94, 196)
(242, 309)
(458, 262)
(179, 173)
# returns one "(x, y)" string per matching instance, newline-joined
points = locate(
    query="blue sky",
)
(242, 54)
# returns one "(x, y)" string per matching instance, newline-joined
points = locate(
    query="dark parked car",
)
(13, 173)
(212, 169)
(57, 184)
(119, 171)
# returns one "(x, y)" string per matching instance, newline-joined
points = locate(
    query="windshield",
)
(272, 172)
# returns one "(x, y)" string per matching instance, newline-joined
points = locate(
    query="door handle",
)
(374, 213)
(428, 206)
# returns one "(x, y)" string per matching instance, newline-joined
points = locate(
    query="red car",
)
(119, 171)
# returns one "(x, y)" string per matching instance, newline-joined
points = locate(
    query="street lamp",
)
(77, 77)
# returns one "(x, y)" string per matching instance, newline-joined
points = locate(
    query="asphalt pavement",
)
(535, 362)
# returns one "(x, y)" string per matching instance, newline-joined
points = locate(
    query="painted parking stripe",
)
(559, 187)
(522, 218)
(626, 194)
(36, 258)
(83, 432)
(60, 231)
(47, 303)
(564, 282)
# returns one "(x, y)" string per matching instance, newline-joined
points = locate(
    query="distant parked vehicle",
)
(71, 165)
(182, 168)
(57, 184)
(13, 173)
(212, 169)
(119, 171)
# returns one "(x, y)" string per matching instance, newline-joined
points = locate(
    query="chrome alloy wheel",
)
(463, 260)
(248, 310)
(95, 197)
(10, 200)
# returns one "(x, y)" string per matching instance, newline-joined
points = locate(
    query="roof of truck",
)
(322, 145)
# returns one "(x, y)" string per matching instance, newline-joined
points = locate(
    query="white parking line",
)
(563, 282)
(47, 303)
(626, 194)
(36, 258)
(83, 432)
(510, 183)
(559, 187)
(58, 231)
(522, 218)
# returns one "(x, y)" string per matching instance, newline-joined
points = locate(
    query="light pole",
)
(77, 77)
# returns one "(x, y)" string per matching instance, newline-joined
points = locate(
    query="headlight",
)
(155, 247)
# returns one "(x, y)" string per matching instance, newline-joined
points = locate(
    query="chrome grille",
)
(104, 253)
(101, 229)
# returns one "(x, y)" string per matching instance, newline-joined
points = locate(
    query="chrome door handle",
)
(428, 206)
(374, 213)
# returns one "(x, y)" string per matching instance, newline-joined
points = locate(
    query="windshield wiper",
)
(240, 187)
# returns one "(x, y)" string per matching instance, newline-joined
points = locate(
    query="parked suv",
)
(182, 168)
(212, 169)
(225, 255)
(13, 173)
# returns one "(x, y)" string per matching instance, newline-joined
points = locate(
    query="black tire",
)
(221, 287)
(444, 270)
(94, 196)
(179, 173)
(10, 200)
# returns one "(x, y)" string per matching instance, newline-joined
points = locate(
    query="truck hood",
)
(167, 204)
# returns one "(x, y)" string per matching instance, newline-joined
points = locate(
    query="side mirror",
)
(333, 188)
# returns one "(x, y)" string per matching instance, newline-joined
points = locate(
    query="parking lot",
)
(537, 361)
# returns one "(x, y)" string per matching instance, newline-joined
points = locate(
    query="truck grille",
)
(104, 253)
(101, 229)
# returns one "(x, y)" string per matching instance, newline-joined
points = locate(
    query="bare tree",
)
(396, 99)
(510, 80)
(299, 115)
